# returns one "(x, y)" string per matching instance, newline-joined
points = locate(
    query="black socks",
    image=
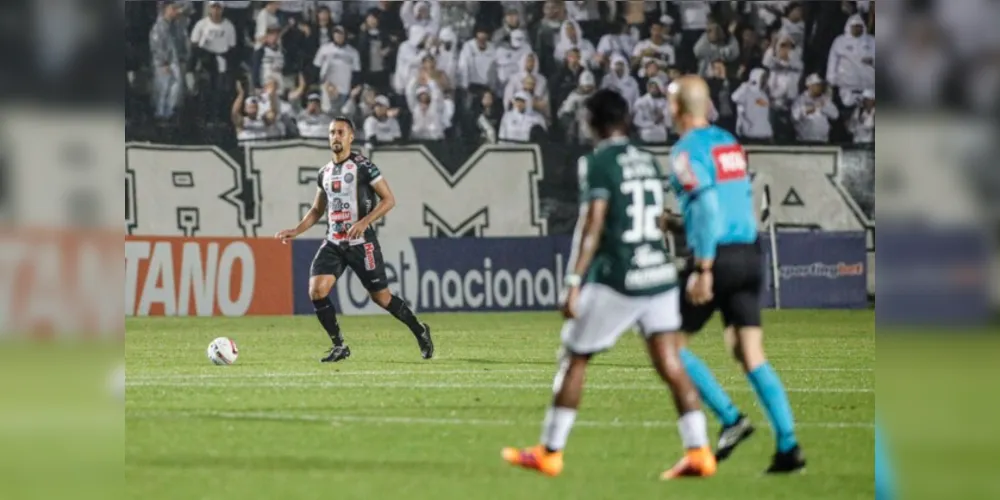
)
(402, 312)
(328, 318)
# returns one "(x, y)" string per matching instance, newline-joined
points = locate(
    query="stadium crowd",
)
(779, 71)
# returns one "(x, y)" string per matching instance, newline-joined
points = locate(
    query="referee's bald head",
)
(690, 98)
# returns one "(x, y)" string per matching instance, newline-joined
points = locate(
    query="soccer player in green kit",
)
(620, 275)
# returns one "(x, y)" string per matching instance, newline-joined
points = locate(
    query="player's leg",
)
(326, 267)
(741, 311)
(736, 427)
(603, 315)
(366, 262)
(660, 323)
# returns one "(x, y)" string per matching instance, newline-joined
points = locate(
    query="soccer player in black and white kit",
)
(354, 196)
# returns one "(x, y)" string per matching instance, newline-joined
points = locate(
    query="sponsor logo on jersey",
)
(369, 256)
(730, 162)
(340, 216)
(348, 177)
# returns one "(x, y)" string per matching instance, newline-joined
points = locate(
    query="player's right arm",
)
(313, 216)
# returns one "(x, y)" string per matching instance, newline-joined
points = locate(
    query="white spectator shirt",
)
(216, 38)
(694, 14)
(625, 84)
(565, 44)
(574, 105)
(846, 67)
(862, 125)
(509, 61)
(795, 31)
(578, 10)
(783, 83)
(652, 118)
(616, 44)
(255, 129)
(336, 64)
(291, 6)
(408, 58)
(477, 66)
(384, 131)
(753, 108)
(447, 62)
(313, 126)
(664, 51)
(272, 64)
(265, 20)
(516, 125)
(516, 84)
(812, 115)
(408, 14)
(428, 122)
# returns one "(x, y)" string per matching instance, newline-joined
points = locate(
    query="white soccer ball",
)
(223, 351)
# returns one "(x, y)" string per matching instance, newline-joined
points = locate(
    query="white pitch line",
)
(341, 419)
(368, 373)
(449, 385)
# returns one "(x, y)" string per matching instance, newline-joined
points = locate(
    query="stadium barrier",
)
(236, 277)
(520, 195)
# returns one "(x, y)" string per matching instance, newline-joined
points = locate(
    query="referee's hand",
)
(700, 289)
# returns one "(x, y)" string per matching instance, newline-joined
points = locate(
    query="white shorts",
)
(603, 315)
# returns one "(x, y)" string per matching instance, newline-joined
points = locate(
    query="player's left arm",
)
(386, 200)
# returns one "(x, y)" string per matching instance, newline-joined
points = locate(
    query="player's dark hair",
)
(342, 118)
(608, 111)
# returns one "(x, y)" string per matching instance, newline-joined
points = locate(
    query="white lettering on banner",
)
(204, 280)
(176, 191)
(812, 173)
(486, 288)
(187, 191)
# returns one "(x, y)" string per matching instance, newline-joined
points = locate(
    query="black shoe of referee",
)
(787, 462)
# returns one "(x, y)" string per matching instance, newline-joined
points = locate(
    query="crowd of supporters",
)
(779, 71)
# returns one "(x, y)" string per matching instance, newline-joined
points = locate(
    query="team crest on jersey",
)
(348, 177)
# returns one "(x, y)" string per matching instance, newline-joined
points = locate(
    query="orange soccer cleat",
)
(537, 458)
(696, 463)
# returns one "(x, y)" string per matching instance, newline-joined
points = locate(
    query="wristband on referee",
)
(572, 280)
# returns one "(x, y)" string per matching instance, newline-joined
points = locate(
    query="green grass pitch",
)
(279, 425)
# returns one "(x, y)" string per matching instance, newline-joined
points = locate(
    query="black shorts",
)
(364, 259)
(738, 275)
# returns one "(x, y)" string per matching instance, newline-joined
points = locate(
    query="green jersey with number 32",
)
(632, 256)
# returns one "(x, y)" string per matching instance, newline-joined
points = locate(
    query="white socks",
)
(694, 430)
(559, 421)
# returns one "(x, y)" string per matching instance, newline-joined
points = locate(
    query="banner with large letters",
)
(508, 195)
(174, 276)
